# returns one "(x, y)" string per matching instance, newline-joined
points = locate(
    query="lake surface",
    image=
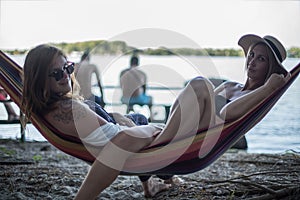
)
(278, 132)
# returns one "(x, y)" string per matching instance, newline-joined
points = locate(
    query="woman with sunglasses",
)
(51, 96)
(50, 75)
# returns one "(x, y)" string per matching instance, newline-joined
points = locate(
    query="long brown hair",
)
(37, 97)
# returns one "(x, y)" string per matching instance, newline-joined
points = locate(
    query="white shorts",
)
(103, 134)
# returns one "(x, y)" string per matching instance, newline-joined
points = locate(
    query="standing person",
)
(84, 72)
(49, 74)
(133, 83)
(11, 113)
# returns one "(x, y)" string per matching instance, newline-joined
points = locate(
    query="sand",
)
(37, 170)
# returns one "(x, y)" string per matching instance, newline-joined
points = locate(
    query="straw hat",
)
(276, 47)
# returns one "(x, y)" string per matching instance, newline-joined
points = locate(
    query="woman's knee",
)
(201, 86)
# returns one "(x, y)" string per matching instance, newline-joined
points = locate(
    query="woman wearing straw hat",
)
(264, 57)
(48, 73)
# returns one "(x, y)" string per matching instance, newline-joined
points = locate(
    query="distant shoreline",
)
(103, 47)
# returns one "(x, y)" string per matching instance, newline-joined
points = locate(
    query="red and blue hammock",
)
(162, 158)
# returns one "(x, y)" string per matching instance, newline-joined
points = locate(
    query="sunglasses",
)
(58, 74)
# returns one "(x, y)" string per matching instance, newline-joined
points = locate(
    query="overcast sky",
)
(209, 23)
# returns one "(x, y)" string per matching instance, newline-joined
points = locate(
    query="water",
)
(278, 132)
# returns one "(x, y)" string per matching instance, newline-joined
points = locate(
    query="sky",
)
(209, 24)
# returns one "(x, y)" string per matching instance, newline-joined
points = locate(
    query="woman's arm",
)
(122, 120)
(241, 105)
(220, 88)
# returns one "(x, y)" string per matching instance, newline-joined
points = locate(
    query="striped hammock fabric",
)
(188, 154)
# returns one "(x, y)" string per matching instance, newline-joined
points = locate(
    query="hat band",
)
(275, 49)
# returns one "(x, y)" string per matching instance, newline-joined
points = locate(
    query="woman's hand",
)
(277, 80)
(122, 120)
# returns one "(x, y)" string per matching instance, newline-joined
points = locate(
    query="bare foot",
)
(175, 180)
(152, 187)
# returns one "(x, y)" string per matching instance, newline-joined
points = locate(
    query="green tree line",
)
(103, 47)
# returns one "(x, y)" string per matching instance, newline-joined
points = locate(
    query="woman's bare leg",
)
(193, 110)
(110, 161)
(99, 177)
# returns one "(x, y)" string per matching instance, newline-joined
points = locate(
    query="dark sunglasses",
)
(58, 74)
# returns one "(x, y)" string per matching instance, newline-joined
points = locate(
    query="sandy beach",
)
(37, 170)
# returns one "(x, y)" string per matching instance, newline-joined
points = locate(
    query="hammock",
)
(161, 159)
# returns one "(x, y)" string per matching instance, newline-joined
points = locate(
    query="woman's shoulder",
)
(228, 86)
(231, 83)
(233, 86)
